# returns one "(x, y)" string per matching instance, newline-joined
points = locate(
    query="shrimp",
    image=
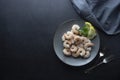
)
(73, 48)
(63, 37)
(66, 52)
(75, 54)
(87, 45)
(89, 49)
(67, 44)
(85, 40)
(87, 54)
(81, 51)
(69, 35)
(75, 29)
(75, 44)
(72, 41)
(77, 40)
(88, 41)
(80, 45)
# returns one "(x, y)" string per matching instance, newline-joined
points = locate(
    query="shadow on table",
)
(80, 69)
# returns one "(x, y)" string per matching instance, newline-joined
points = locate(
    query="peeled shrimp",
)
(80, 45)
(85, 40)
(73, 48)
(75, 29)
(69, 35)
(66, 52)
(75, 54)
(81, 51)
(75, 44)
(63, 37)
(72, 41)
(87, 45)
(77, 40)
(89, 49)
(66, 44)
(87, 54)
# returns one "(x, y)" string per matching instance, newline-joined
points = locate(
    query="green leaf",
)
(88, 30)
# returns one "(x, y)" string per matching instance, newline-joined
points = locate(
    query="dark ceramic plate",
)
(58, 45)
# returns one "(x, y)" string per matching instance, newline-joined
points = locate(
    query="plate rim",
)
(56, 51)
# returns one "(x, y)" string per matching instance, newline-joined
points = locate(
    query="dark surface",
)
(26, 43)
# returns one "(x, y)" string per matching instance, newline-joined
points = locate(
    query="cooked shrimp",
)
(72, 41)
(67, 44)
(88, 41)
(69, 35)
(75, 44)
(75, 54)
(66, 52)
(73, 48)
(89, 49)
(87, 45)
(75, 29)
(63, 37)
(84, 40)
(81, 51)
(80, 45)
(87, 54)
(77, 40)
(69, 32)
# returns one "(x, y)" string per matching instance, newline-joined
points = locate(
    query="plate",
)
(58, 44)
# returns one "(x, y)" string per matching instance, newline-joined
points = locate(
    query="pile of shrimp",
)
(75, 44)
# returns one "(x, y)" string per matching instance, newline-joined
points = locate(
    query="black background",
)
(27, 29)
